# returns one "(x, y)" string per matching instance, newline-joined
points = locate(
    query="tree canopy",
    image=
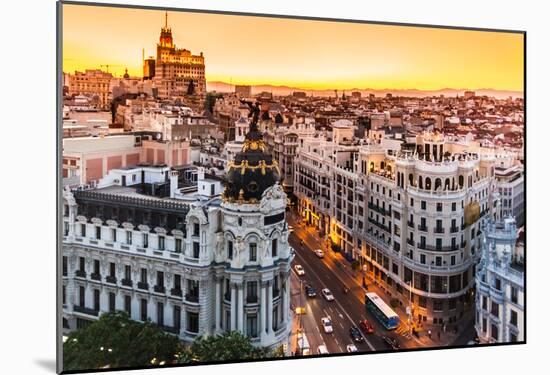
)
(116, 341)
(225, 347)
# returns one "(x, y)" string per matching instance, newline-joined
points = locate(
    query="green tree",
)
(225, 347)
(116, 341)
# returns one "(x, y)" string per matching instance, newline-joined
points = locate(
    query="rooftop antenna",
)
(165, 20)
(142, 54)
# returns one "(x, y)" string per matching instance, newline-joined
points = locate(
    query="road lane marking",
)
(338, 303)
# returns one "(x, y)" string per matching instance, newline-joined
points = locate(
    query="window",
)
(195, 229)
(145, 240)
(192, 322)
(484, 303)
(96, 267)
(513, 318)
(128, 272)
(177, 317)
(177, 282)
(252, 325)
(112, 297)
(193, 290)
(196, 249)
(452, 304)
(453, 206)
(161, 243)
(178, 245)
(484, 325)
(65, 267)
(252, 248)
(64, 295)
(98, 232)
(438, 243)
(274, 247)
(495, 309)
(438, 305)
(81, 297)
(143, 309)
(160, 279)
(81, 265)
(96, 299)
(497, 283)
(160, 313)
(229, 250)
(128, 305)
(143, 275)
(113, 234)
(83, 230)
(423, 258)
(438, 261)
(439, 207)
(128, 237)
(423, 205)
(514, 295)
(453, 260)
(251, 292)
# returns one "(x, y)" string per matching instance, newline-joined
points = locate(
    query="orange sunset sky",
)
(297, 53)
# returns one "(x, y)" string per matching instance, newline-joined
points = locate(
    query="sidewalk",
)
(440, 336)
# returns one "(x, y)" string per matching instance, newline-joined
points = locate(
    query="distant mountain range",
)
(286, 90)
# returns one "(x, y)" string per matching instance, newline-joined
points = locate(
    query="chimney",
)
(173, 183)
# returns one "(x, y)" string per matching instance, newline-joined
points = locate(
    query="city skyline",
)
(428, 59)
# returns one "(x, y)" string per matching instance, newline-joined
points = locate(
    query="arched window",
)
(371, 167)
(420, 184)
(453, 186)
(382, 165)
(411, 177)
(461, 181)
(437, 183)
(447, 184)
(428, 183)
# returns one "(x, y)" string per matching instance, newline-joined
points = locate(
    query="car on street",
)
(327, 294)
(366, 326)
(390, 342)
(326, 322)
(310, 291)
(320, 253)
(322, 349)
(356, 335)
(299, 270)
(351, 348)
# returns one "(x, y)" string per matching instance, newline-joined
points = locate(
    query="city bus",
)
(382, 312)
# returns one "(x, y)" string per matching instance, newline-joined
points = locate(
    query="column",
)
(263, 327)
(270, 307)
(240, 308)
(233, 306)
(217, 302)
(285, 302)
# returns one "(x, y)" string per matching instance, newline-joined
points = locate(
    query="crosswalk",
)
(403, 330)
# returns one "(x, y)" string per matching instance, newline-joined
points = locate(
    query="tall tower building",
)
(176, 68)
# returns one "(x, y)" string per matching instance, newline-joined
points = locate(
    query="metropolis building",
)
(193, 259)
(500, 283)
(409, 210)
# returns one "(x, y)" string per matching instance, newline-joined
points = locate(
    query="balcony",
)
(176, 292)
(410, 242)
(172, 330)
(454, 229)
(421, 246)
(252, 299)
(159, 289)
(80, 273)
(142, 285)
(410, 224)
(439, 230)
(227, 296)
(85, 310)
(423, 228)
(95, 276)
(192, 298)
(111, 279)
(127, 282)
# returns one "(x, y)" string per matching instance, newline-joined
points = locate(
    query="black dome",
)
(253, 171)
